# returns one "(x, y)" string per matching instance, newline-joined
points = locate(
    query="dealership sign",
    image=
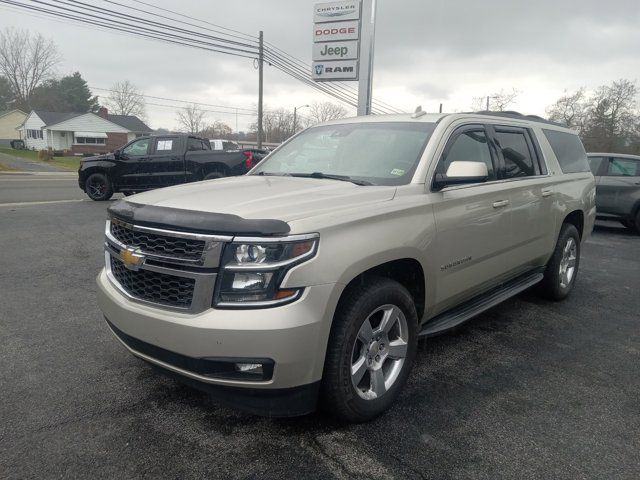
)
(336, 11)
(336, 34)
(323, 52)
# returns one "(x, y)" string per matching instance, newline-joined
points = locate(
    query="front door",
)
(617, 188)
(473, 223)
(132, 161)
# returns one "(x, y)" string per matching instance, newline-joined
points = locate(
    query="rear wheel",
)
(562, 269)
(370, 351)
(98, 187)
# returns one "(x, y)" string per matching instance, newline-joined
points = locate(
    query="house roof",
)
(130, 122)
(7, 112)
(51, 118)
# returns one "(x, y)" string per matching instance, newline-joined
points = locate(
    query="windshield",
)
(374, 153)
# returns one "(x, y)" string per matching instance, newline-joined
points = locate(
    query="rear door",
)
(473, 222)
(166, 164)
(531, 190)
(619, 186)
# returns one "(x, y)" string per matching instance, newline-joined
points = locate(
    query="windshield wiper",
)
(342, 178)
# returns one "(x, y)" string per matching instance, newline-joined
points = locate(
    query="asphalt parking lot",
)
(530, 389)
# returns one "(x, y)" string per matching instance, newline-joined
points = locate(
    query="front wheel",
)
(562, 269)
(98, 187)
(370, 351)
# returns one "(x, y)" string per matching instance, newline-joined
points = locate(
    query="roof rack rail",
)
(514, 114)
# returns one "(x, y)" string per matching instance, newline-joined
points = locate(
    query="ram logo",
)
(319, 69)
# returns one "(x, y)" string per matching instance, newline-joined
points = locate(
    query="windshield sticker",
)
(397, 172)
(165, 145)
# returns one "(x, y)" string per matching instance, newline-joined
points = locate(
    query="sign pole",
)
(365, 81)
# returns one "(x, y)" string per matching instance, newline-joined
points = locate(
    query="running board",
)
(460, 314)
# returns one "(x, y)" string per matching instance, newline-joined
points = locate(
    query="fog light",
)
(254, 368)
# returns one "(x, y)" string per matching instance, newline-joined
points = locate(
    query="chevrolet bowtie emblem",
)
(131, 259)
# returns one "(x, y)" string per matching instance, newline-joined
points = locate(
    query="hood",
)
(258, 197)
(93, 158)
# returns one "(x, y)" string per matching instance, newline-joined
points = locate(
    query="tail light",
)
(249, 159)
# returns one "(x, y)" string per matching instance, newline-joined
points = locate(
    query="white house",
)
(80, 132)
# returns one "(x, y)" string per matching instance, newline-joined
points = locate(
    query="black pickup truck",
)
(158, 161)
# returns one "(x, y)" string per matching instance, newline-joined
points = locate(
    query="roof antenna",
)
(418, 112)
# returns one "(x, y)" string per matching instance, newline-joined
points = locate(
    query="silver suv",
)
(309, 280)
(617, 187)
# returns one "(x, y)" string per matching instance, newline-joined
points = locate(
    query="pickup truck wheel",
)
(212, 175)
(98, 187)
(371, 349)
(562, 269)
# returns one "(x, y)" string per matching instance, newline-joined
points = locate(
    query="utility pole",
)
(488, 102)
(365, 77)
(260, 66)
(440, 108)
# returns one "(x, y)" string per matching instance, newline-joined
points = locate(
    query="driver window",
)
(470, 146)
(139, 147)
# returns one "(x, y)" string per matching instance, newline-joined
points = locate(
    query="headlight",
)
(253, 268)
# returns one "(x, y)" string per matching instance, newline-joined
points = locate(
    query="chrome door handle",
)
(547, 193)
(500, 203)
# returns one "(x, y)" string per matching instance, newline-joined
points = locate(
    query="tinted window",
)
(568, 150)
(195, 144)
(594, 164)
(229, 146)
(139, 147)
(518, 161)
(470, 146)
(623, 167)
(167, 145)
(378, 152)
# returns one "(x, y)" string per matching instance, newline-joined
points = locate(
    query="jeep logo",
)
(334, 51)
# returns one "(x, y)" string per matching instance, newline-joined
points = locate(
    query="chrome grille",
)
(154, 287)
(172, 269)
(154, 243)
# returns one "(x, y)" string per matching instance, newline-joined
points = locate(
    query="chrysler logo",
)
(336, 11)
(131, 258)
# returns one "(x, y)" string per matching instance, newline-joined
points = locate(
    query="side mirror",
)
(460, 173)
(116, 153)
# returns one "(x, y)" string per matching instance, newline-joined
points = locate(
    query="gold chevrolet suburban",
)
(309, 280)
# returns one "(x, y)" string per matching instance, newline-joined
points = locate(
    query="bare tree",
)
(191, 119)
(497, 102)
(325, 111)
(570, 109)
(612, 118)
(217, 129)
(26, 60)
(126, 99)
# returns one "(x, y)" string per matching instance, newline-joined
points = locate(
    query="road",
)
(530, 389)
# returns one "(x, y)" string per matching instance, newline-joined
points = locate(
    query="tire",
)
(98, 187)
(562, 269)
(212, 175)
(353, 347)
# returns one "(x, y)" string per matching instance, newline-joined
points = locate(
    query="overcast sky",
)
(427, 52)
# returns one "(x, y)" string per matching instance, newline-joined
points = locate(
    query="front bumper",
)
(294, 336)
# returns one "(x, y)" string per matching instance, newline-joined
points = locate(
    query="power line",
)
(181, 101)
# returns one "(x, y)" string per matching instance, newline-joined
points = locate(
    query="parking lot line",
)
(26, 204)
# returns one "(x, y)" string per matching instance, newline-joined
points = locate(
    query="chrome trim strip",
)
(173, 233)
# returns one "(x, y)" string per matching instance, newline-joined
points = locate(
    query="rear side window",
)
(195, 144)
(518, 161)
(568, 150)
(594, 164)
(623, 167)
(470, 146)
